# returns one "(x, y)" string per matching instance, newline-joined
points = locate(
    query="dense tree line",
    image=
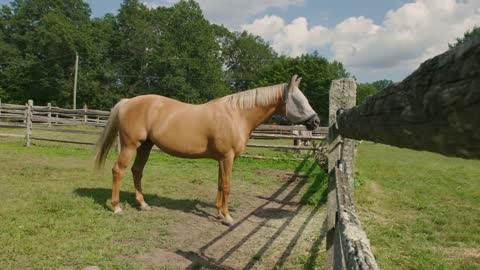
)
(366, 89)
(172, 51)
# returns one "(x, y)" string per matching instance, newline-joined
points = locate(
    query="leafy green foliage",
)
(367, 89)
(364, 90)
(171, 51)
(382, 84)
(245, 56)
(316, 72)
(474, 32)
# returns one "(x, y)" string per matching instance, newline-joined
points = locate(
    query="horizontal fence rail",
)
(51, 119)
(436, 108)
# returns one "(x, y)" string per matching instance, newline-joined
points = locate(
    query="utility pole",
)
(75, 82)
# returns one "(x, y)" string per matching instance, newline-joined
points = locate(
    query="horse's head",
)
(297, 108)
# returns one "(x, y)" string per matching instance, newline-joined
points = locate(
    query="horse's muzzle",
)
(313, 122)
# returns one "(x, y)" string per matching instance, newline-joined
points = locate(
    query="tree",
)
(98, 81)
(317, 74)
(45, 35)
(382, 84)
(474, 32)
(170, 51)
(364, 90)
(195, 55)
(245, 56)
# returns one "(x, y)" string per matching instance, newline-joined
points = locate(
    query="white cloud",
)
(407, 36)
(231, 13)
(161, 3)
(291, 39)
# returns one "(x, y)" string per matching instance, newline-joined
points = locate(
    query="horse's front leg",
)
(224, 173)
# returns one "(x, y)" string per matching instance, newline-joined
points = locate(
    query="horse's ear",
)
(293, 82)
(297, 82)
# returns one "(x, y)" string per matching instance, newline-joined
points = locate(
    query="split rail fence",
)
(48, 118)
(436, 108)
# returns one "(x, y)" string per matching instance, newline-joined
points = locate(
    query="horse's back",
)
(138, 115)
(178, 128)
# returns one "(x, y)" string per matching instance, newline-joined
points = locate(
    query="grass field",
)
(55, 212)
(420, 211)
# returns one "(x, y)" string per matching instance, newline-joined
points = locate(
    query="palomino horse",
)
(219, 129)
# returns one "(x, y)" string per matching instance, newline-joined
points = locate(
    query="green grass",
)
(420, 210)
(55, 210)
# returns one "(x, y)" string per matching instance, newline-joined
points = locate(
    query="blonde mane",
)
(262, 96)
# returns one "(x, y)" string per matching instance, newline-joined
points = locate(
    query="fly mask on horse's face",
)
(297, 108)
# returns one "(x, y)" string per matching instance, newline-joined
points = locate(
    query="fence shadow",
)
(266, 213)
(295, 186)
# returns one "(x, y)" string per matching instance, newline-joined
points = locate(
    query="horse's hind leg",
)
(137, 170)
(118, 171)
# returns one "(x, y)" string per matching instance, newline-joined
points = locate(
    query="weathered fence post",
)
(85, 108)
(29, 121)
(342, 96)
(0, 107)
(49, 115)
(25, 113)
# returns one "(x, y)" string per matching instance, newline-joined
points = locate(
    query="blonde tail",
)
(109, 135)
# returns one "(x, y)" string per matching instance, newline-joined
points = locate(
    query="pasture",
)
(56, 213)
(420, 211)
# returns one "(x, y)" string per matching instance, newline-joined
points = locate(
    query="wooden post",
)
(342, 96)
(296, 142)
(85, 108)
(75, 82)
(29, 121)
(56, 119)
(49, 121)
(25, 113)
(0, 107)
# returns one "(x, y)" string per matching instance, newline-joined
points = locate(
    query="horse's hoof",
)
(145, 207)
(220, 216)
(118, 211)
(228, 220)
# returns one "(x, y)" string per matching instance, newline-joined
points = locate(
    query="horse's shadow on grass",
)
(102, 195)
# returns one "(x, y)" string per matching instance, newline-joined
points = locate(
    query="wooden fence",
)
(47, 118)
(436, 108)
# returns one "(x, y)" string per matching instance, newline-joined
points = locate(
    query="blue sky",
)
(319, 12)
(374, 39)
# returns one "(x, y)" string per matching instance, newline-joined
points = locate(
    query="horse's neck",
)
(257, 115)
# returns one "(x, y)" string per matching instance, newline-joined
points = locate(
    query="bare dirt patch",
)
(457, 252)
(272, 229)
